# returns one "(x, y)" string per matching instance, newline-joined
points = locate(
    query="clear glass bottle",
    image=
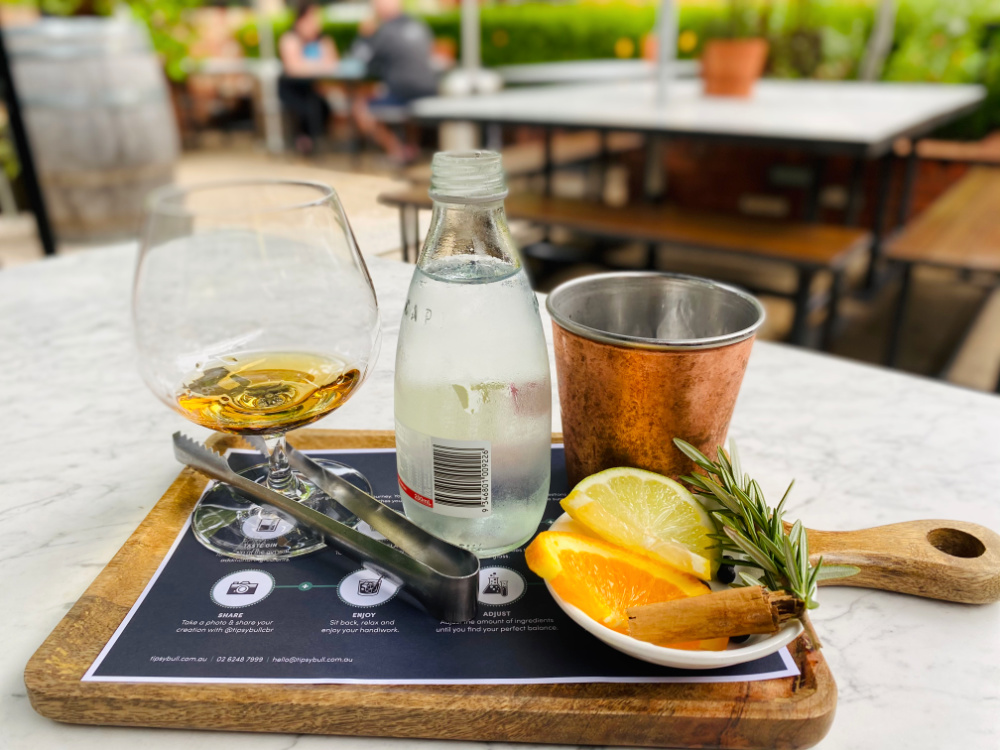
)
(473, 399)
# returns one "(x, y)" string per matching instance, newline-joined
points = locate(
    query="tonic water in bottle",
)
(473, 399)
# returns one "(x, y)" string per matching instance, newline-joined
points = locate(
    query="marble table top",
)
(848, 116)
(87, 453)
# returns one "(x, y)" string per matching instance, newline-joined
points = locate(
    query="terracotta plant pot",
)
(730, 67)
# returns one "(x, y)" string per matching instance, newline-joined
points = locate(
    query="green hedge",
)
(530, 33)
(935, 40)
(957, 41)
(520, 33)
(515, 34)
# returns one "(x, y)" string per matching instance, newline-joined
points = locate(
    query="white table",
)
(859, 119)
(588, 71)
(823, 118)
(87, 453)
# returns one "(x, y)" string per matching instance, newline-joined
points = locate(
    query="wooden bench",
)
(809, 248)
(567, 149)
(982, 152)
(961, 231)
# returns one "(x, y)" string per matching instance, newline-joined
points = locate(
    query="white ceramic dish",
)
(753, 648)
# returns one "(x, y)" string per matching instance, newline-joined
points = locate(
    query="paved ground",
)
(942, 309)
(18, 242)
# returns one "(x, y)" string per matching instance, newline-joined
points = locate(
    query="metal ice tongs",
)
(442, 577)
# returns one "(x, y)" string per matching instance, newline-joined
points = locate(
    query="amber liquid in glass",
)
(262, 393)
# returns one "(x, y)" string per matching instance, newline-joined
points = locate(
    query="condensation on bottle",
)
(473, 398)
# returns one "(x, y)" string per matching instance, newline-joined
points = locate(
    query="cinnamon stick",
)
(748, 610)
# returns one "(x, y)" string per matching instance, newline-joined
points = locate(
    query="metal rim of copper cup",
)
(744, 322)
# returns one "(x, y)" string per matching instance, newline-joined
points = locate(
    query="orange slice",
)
(603, 580)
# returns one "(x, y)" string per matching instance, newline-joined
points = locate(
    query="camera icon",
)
(242, 587)
(268, 524)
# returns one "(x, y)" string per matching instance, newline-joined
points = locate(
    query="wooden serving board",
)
(793, 712)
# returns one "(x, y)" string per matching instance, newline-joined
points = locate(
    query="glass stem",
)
(279, 473)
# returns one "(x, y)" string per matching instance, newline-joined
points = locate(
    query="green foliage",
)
(170, 30)
(941, 43)
(77, 7)
(818, 38)
(951, 42)
(530, 33)
(987, 117)
(741, 19)
(8, 156)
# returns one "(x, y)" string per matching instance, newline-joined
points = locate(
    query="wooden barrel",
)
(99, 118)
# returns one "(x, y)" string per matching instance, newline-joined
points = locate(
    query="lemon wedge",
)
(649, 514)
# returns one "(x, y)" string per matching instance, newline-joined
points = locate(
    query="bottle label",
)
(450, 477)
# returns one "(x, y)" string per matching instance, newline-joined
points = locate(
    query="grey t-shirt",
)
(399, 52)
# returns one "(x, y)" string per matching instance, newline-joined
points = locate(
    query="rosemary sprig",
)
(752, 535)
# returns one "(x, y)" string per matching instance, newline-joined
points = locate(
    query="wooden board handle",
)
(951, 560)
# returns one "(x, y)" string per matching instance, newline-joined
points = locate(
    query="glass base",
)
(228, 523)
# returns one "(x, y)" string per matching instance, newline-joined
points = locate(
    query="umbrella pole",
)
(268, 72)
(666, 49)
(879, 43)
(471, 57)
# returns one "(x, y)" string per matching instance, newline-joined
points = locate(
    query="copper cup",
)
(642, 358)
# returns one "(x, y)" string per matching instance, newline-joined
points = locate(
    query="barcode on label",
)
(461, 479)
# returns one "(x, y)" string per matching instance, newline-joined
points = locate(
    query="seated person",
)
(397, 49)
(305, 54)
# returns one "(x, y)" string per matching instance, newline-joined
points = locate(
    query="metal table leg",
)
(355, 138)
(855, 193)
(878, 226)
(403, 235)
(800, 326)
(494, 136)
(651, 256)
(32, 188)
(547, 166)
(833, 309)
(409, 231)
(416, 234)
(898, 318)
(810, 213)
(414, 231)
(654, 176)
(603, 165)
(906, 195)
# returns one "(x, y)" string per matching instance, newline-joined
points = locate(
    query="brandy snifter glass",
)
(254, 314)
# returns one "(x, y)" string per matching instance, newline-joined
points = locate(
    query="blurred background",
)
(855, 186)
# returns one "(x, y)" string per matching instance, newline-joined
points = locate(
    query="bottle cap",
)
(467, 177)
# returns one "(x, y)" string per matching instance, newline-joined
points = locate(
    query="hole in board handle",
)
(956, 543)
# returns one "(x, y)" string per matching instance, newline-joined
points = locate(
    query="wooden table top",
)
(960, 230)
